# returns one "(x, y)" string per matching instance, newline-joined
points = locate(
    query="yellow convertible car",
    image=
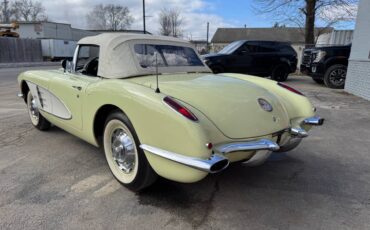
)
(156, 109)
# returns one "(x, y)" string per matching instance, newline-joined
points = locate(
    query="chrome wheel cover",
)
(33, 109)
(123, 150)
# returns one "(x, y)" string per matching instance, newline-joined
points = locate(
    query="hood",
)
(230, 104)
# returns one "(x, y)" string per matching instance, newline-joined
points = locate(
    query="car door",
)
(260, 57)
(241, 60)
(70, 87)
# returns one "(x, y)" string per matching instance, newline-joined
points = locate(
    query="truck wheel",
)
(335, 76)
(125, 158)
(217, 69)
(37, 119)
(280, 73)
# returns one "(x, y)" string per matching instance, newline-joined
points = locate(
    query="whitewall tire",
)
(126, 160)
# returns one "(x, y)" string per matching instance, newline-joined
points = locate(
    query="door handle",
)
(77, 87)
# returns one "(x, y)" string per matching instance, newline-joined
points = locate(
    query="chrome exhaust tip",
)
(314, 121)
(298, 132)
(220, 164)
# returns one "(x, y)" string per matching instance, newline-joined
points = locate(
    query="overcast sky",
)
(196, 13)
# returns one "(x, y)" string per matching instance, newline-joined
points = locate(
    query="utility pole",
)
(5, 13)
(207, 37)
(144, 17)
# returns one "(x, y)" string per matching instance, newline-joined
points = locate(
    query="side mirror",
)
(67, 65)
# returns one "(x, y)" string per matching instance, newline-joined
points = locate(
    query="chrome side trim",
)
(215, 163)
(314, 121)
(20, 95)
(262, 144)
(298, 132)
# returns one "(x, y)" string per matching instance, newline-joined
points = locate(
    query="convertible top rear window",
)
(166, 55)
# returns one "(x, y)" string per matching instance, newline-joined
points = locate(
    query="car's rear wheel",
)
(280, 73)
(125, 158)
(37, 119)
(335, 76)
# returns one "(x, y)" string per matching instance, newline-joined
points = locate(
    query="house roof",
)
(282, 34)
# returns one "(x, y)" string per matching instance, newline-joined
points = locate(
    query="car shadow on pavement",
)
(247, 187)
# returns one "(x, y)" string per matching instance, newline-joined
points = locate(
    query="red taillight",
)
(290, 88)
(180, 108)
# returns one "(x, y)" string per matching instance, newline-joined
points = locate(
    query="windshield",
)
(231, 47)
(150, 55)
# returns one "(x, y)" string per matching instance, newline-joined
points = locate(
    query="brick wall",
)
(358, 78)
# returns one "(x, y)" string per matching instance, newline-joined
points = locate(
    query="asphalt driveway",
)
(53, 180)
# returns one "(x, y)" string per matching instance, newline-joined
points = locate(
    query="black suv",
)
(261, 58)
(327, 65)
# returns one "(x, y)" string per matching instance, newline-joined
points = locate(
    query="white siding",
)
(358, 77)
(33, 31)
(57, 31)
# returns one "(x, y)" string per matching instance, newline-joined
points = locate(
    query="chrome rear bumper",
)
(262, 144)
(217, 162)
(213, 164)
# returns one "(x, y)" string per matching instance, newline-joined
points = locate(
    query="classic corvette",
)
(156, 109)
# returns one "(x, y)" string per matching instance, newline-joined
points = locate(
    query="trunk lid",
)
(230, 103)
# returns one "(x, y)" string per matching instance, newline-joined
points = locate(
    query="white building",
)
(51, 30)
(358, 74)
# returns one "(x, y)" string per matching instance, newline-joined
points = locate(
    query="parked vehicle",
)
(260, 58)
(55, 49)
(156, 109)
(327, 65)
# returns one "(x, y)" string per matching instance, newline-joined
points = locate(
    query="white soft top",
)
(117, 58)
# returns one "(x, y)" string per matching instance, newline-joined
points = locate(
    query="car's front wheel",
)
(217, 69)
(335, 76)
(37, 119)
(125, 158)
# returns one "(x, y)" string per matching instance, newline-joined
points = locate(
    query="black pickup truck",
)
(327, 64)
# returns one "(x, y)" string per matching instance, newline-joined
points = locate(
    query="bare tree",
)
(170, 21)
(109, 17)
(28, 10)
(305, 13)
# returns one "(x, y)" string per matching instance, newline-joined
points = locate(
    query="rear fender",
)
(298, 107)
(155, 123)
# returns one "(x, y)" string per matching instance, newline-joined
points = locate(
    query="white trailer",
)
(55, 49)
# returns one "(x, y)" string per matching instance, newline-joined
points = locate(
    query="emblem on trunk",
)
(265, 105)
